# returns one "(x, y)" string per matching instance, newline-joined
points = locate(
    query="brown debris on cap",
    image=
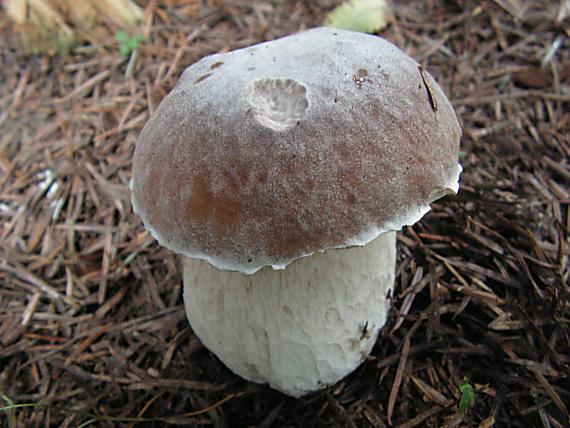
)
(319, 140)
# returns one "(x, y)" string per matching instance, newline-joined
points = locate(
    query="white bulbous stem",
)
(299, 329)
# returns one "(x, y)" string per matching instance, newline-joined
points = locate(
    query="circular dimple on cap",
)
(278, 104)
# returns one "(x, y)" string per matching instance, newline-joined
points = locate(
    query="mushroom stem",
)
(299, 329)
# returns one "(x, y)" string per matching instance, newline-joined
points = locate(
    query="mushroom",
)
(281, 172)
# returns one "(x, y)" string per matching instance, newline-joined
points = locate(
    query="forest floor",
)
(92, 326)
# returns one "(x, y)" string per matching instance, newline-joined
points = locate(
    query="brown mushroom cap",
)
(319, 140)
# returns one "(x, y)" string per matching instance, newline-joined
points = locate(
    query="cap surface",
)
(319, 140)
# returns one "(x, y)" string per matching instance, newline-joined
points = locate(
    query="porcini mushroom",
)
(281, 173)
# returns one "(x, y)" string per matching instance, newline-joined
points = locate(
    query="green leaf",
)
(128, 44)
(467, 396)
(365, 16)
(121, 36)
(139, 38)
